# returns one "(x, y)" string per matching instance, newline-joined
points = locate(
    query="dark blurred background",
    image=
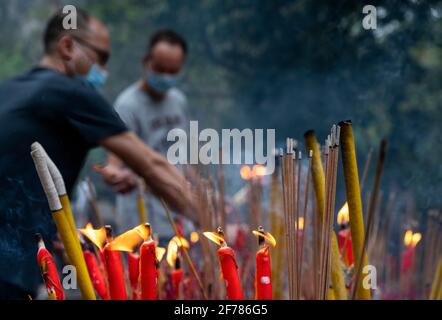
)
(288, 65)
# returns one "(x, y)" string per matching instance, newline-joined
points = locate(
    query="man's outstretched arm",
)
(163, 178)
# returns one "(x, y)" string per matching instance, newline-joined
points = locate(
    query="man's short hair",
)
(55, 30)
(166, 35)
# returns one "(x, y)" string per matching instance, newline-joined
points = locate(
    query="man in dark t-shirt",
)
(57, 105)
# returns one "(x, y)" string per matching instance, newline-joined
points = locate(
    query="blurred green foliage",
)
(289, 65)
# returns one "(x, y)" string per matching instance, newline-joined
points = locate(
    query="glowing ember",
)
(266, 235)
(215, 237)
(194, 237)
(343, 215)
(96, 236)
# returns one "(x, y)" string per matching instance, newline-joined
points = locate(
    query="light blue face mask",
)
(161, 82)
(96, 77)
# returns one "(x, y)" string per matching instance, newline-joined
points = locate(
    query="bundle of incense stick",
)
(207, 221)
(222, 204)
(331, 166)
(277, 230)
(291, 165)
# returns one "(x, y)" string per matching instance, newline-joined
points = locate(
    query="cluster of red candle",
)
(107, 269)
(229, 267)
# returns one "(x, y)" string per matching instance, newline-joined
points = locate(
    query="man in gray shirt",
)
(150, 107)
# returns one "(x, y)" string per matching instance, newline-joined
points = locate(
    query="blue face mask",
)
(161, 82)
(96, 77)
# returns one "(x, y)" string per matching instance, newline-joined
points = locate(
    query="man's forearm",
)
(163, 178)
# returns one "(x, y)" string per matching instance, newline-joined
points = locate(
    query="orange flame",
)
(129, 240)
(300, 223)
(412, 239)
(416, 238)
(408, 237)
(172, 252)
(266, 235)
(181, 242)
(343, 214)
(159, 253)
(259, 170)
(215, 237)
(245, 172)
(96, 236)
(194, 237)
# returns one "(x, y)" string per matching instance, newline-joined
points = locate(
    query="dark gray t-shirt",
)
(68, 118)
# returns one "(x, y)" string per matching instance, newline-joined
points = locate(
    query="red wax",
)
(408, 259)
(263, 275)
(177, 276)
(96, 275)
(115, 274)
(229, 270)
(133, 264)
(344, 239)
(148, 271)
(49, 273)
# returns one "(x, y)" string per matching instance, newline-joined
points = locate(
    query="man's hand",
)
(121, 179)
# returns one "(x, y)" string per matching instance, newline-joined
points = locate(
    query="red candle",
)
(263, 275)
(229, 269)
(177, 277)
(114, 270)
(345, 246)
(96, 275)
(408, 259)
(49, 272)
(148, 271)
(133, 261)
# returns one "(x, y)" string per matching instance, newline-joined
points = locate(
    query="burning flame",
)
(416, 238)
(248, 173)
(300, 223)
(412, 239)
(245, 172)
(129, 240)
(343, 215)
(408, 237)
(172, 252)
(181, 242)
(259, 170)
(215, 237)
(96, 236)
(159, 253)
(194, 237)
(266, 235)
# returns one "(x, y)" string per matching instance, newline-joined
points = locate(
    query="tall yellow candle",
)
(354, 203)
(70, 242)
